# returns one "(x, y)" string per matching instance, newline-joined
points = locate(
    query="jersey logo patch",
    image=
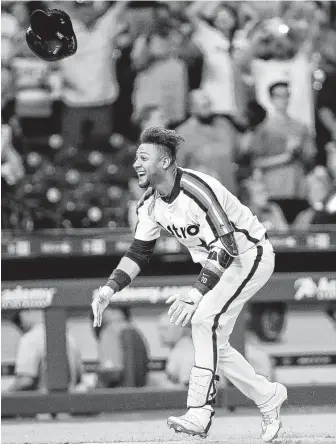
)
(183, 232)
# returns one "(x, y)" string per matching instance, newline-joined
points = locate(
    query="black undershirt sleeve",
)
(141, 252)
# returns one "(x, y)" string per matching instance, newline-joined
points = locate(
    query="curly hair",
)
(166, 138)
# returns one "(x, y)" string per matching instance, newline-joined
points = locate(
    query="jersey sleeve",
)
(146, 228)
(210, 198)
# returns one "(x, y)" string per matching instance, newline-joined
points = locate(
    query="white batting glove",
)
(183, 307)
(100, 302)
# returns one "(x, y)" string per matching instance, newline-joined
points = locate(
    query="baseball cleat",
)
(195, 422)
(271, 424)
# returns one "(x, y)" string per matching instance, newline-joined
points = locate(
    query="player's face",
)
(148, 164)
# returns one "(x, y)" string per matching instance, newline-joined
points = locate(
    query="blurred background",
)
(251, 86)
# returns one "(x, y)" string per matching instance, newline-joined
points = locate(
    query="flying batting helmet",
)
(50, 35)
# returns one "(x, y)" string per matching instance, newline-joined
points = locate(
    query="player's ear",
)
(166, 161)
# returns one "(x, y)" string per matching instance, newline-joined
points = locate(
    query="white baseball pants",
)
(216, 315)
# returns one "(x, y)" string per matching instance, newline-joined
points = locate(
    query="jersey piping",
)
(147, 194)
(198, 190)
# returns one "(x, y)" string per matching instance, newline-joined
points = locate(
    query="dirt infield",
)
(300, 426)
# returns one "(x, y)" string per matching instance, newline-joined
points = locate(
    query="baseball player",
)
(237, 260)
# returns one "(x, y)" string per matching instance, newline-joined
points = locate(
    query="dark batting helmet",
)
(50, 35)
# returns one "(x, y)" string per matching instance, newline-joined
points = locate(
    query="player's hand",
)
(183, 307)
(99, 304)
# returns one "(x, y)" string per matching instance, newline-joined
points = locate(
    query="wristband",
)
(206, 281)
(118, 280)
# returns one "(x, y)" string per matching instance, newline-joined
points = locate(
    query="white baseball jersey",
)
(199, 210)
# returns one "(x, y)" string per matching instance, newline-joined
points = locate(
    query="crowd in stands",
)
(251, 86)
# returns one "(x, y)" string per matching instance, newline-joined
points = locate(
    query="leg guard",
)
(201, 387)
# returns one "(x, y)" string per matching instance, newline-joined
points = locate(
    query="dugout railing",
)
(58, 297)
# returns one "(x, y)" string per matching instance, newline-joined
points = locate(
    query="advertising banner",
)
(298, 288)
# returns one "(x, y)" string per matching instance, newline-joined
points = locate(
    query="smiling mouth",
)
(142, 174)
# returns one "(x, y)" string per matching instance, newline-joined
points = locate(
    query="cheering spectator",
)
(321, 194)
(273, 52)
(162, 75)
(254, 195)
(22, 12)
(143, 59)
(9, 30)
(12, 173)
(90, 87)
(125, 74)
(30, 365)
(327, 214)
(326, 97)
(306, 15)
(256, 114)
(9, 41)
(221, 79)
(282, 148)
(204, 129)
(12, 169)
(214, 26)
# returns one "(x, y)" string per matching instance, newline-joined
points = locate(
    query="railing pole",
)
(56, 351)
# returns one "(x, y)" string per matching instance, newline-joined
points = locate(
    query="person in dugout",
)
(30, 363)
(122, 351)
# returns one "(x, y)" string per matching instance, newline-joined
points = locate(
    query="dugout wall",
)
(38, 270)
(57, 297)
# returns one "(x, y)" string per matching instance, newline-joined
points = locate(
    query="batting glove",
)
(183, 307)
(100, 302)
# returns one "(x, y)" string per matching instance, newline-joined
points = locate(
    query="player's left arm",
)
(218, 233)
(138, 255)
(219, 259)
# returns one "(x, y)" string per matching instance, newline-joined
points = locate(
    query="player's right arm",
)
(135, 259)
